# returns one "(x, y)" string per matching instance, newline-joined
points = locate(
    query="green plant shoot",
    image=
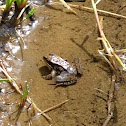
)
(23, 100)
(25, 94)
(21, 3)
(32, 12)
(8, 5)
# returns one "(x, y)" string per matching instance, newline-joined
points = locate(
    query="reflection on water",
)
(26, 30)
(11, 57)
(36, 2)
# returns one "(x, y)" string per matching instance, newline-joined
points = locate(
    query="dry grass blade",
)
(91, 10)
(106, 59)
(12, 82)
(67, 6)
(122, 50)
(112, 51)
(22, 11)
(113, 59)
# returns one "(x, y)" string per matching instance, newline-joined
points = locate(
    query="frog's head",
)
(48, 60)
(56, 62)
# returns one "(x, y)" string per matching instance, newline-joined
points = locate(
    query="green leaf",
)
(8, 4)
(8, 80)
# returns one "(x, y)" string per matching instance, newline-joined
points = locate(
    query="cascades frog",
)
(66, 73)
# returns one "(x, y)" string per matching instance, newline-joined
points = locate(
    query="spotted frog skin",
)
(66, 73)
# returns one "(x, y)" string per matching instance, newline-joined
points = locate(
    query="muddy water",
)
(71, 36)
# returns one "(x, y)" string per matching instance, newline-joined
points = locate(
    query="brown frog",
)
(66, 73)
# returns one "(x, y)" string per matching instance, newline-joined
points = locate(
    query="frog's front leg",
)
(50, 76)
(77, 63)
(65, 79)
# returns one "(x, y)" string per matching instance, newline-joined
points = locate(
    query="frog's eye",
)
(71, 68)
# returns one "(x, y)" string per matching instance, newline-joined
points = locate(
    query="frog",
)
(66, 73)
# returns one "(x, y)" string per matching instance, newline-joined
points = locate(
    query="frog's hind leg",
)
(65, 79)
(50, 76)
(66, 83)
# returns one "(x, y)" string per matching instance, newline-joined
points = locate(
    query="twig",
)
(101, 91)
(42, 113)
(121, 8)
(47, 110)
(56, 106)
(111, 96)
(108, 119)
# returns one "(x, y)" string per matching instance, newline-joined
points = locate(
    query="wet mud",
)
(74, 36)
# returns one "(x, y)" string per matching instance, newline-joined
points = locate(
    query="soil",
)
(75, 36)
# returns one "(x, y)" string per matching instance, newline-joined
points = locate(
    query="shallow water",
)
(68, 36)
